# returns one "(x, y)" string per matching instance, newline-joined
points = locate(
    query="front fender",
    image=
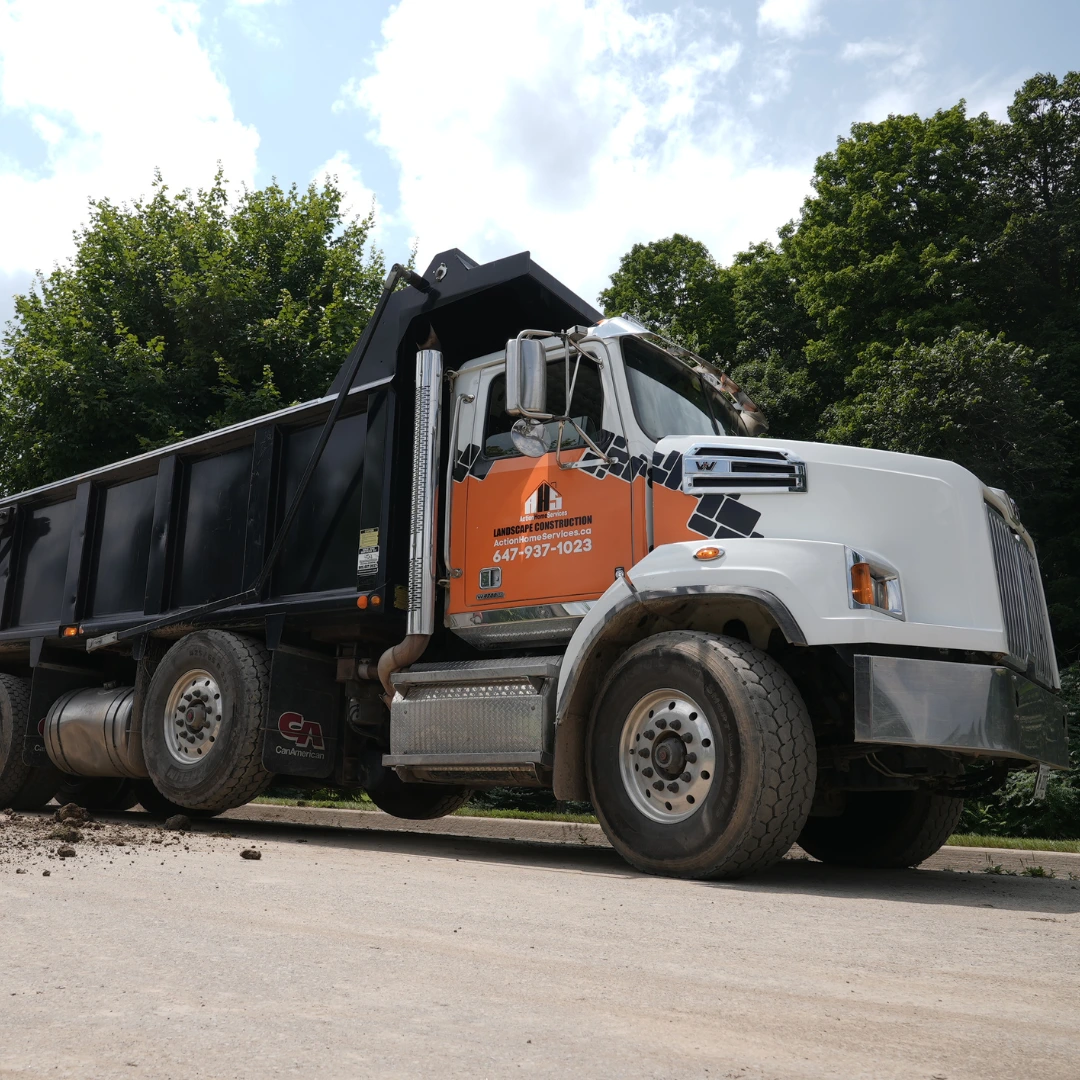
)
(798, 587)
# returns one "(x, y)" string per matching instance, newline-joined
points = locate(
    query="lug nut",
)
(646, 771)
(686, 778)
(673, 787)
(661, 723)
(650, 734)
(659, 785)
(687, 738)
(676, 725)
(643, 752)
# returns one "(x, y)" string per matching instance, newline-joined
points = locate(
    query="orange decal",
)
(530, 532)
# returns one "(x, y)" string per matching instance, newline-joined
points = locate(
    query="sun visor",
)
(472, 310)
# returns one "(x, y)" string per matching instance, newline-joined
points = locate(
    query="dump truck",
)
(521, 544)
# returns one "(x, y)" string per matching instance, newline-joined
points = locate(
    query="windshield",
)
(669, 398)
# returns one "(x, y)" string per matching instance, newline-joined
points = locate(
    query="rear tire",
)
(22, 786)
(203, 718)
(700, 757)
(883, 829)
(417, 802)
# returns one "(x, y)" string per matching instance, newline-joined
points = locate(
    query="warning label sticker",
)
(367, 558)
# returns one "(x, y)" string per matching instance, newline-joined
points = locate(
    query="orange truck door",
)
(526, 531)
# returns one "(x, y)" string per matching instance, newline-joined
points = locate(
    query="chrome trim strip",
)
(463, 761)
(448, 490)
(710, 468)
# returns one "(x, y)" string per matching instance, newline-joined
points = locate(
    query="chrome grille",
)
(1023, 605)
(726, 469)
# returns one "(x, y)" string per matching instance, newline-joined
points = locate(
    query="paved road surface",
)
(356, 954)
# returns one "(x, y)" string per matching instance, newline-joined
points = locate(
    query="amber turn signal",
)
(362, 601)
(707, 554)
(862, 583)
(71, 631)
(376, 601)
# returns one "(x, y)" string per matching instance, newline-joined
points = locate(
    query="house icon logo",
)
(543, 500)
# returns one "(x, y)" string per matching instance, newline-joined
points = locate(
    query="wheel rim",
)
(193, 715)
(667, 756)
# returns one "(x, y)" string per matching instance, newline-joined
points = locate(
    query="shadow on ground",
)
(795, 875)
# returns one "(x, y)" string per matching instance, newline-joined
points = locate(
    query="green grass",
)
(1017, 843)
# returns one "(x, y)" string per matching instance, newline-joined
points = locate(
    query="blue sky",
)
(572, 129)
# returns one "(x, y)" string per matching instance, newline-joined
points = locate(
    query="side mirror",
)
(526, 378)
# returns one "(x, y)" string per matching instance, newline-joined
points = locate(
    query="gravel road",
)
(351, 954)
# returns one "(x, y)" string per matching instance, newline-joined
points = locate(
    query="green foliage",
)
(968, 397)
(675, 287)
(177, 315)
(1012, 812)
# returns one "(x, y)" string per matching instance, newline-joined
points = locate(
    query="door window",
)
(587, 409)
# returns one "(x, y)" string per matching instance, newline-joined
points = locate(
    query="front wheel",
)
(883, 829)
(700, 757)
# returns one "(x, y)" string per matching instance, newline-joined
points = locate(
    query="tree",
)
(675, 287)
(176, 315)
(967, 397)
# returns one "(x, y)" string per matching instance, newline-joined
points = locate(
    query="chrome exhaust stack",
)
(425, 478)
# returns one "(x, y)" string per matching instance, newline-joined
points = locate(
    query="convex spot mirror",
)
(529, 437)
(526, 378)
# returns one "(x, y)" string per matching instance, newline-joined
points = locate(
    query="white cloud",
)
(572, 131)
(114, 89)
(793, 18)
(887, 57)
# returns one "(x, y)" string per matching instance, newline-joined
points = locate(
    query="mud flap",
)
(301, 733)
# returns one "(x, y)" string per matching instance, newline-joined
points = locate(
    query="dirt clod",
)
(21, 870)
(65, 832)
(178, 823)
(73, 814)
(46, 873)
(66, 852)
(250, 853)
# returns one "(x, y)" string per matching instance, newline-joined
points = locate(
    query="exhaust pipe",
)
(421, 618)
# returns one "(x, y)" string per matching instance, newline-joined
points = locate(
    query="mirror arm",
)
(585, 438)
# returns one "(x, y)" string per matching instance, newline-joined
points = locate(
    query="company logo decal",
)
(305, 733)
(707, 465)
(544, 500)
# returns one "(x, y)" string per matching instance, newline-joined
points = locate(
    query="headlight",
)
(873, 584)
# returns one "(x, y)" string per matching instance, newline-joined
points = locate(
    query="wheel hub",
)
(667, 756)
(193, 717)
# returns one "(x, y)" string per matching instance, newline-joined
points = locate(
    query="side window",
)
(587, 408)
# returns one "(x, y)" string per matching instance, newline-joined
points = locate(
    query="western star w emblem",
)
(705, 466)
(543, 500)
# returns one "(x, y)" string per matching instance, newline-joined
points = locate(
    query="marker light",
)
(862, 584)
(71, 631)
(707, 554)
(362, 601)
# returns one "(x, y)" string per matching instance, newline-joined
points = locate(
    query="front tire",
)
(700, 757)
(202, 721)
(883, 829)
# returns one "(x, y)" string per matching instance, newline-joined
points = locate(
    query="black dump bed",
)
(191, 523)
